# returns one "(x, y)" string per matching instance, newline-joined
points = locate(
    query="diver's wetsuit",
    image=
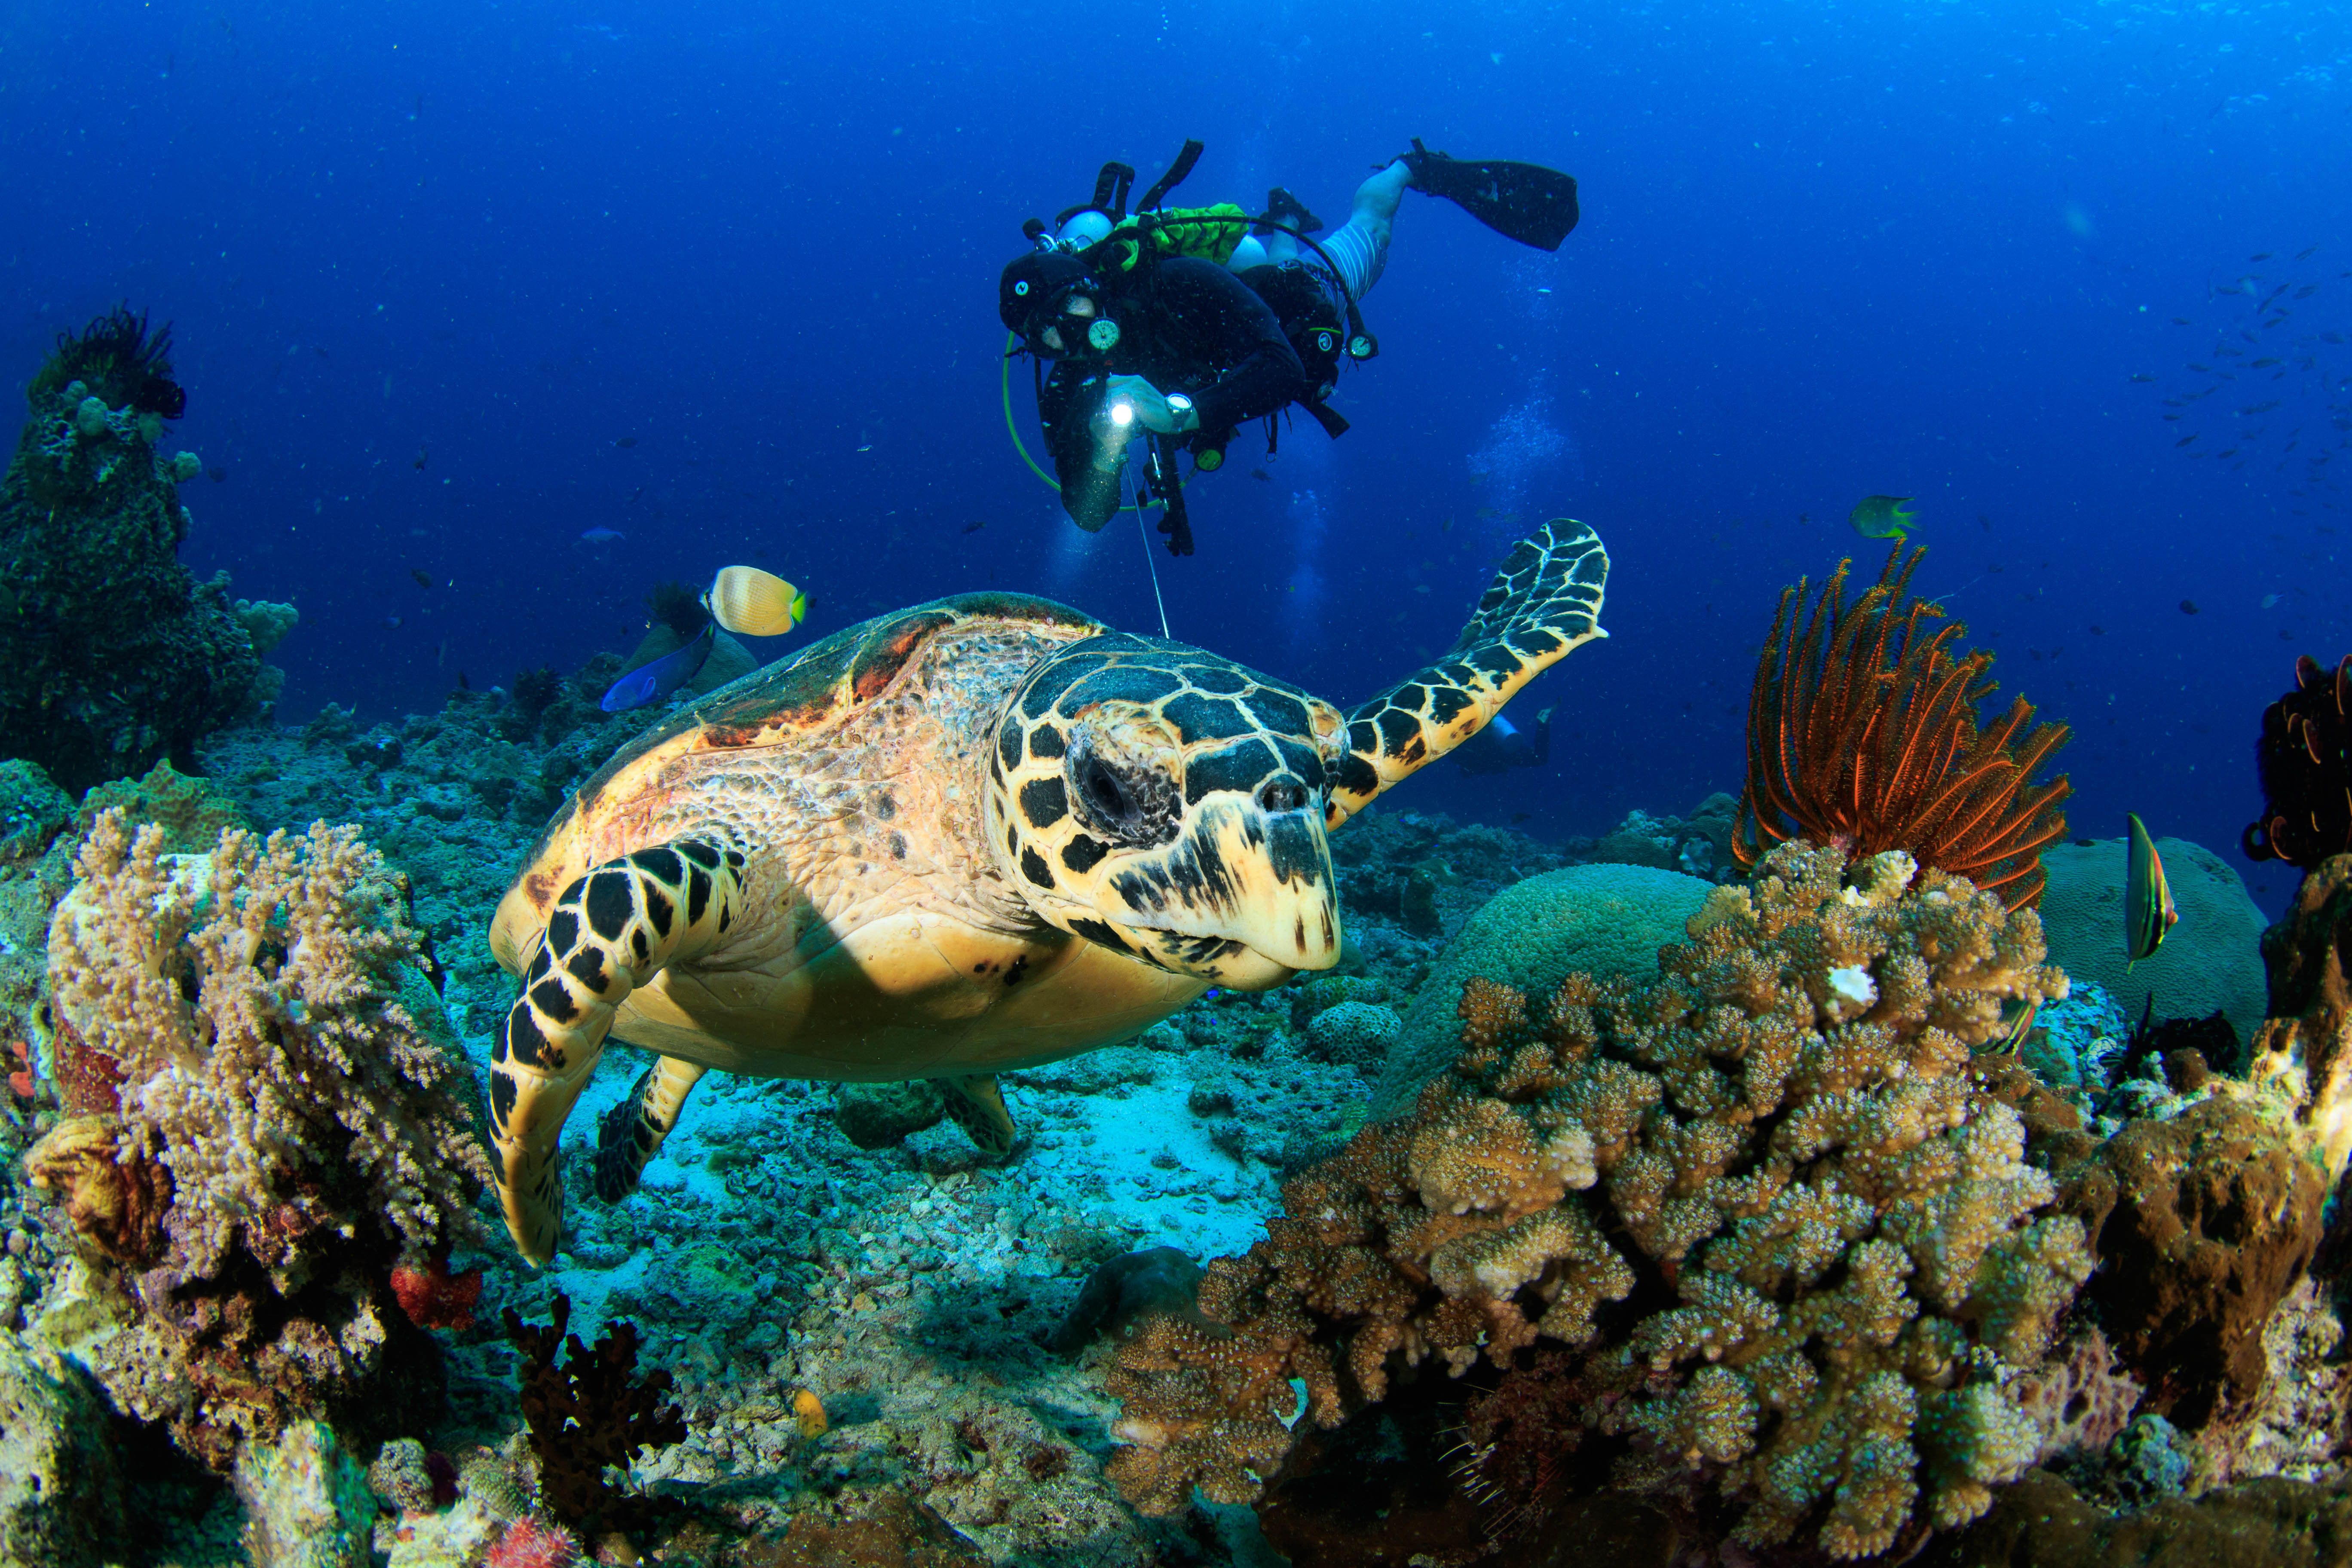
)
(1192, 327)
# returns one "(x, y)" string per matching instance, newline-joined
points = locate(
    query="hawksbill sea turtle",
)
(976, 835)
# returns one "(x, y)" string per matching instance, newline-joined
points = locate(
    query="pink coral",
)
(527, 1543)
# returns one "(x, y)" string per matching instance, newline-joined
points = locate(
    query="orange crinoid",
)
(1862, 732)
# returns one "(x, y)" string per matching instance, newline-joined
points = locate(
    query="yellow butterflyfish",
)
(755, 604)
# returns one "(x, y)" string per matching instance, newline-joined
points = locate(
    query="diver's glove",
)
(1164, 414)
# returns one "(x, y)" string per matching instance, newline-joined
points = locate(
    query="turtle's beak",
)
(1240, 877)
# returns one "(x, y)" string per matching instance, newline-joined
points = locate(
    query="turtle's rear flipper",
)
(609, 933)
(1543, 605)
(1525, 201)
(634, 1130)
(977, 1106)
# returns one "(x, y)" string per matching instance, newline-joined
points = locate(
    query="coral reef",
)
(1862, 732)
(1775, 1147)
(60, 1482)
(2304, 759)
(589, 1413)
(287, 1124)
(111, 655)
(2304, 1052)
(2202, 1223)
(306, 1504)
(1699, 846)
(2212, 961)
(1604, 920)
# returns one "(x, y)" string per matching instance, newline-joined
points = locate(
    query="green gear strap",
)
(1211, 233)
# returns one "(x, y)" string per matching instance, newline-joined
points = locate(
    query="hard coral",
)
(290, 1128)
(1843, 1214)
(590, 1412)
(1862, 732)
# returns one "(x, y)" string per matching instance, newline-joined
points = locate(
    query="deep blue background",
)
(1827, 251)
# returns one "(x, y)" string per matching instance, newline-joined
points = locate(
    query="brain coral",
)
(1832, 1256)
(2212, 961)
(1602, 920)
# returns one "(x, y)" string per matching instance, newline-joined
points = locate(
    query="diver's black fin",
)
(1281, 206)
(1526, 201)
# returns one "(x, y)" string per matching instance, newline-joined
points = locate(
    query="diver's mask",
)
(1073, 325)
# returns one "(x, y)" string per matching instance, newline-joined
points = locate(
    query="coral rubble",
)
(278, 1124)
(1835, 1258)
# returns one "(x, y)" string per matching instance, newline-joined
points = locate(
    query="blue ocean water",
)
(452, 285)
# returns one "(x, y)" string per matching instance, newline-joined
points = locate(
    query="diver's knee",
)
(1379, 197)
(1249, 252)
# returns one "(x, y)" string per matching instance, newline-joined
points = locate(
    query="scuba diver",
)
(1503, 745)
(1180, 325)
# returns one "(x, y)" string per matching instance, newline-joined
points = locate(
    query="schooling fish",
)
(599, 535)
(649, 682)
(754, 604)
(1883, 517)
(2148, 910)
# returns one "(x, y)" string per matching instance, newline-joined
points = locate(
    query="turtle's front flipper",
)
(1543, 605)
(634, 1128)
(609, 933)
(977, 1105)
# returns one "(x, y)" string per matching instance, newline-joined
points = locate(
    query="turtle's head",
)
(1167, 803)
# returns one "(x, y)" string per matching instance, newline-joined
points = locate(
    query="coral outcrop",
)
(2304, 1052)
(1832, 1258)
(112, 655)
(271, 1121)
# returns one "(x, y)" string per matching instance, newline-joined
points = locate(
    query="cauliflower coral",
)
(1762, 1196)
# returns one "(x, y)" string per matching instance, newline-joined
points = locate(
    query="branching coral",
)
(1828, 1245)
(288, 1130)
(1862, 732)
(590, 1412)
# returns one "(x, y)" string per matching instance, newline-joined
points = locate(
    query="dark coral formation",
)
(1862, 732)
(2304, 758)
(1831, 1252)
(112, 655)
(121, 362)
(589, 1412)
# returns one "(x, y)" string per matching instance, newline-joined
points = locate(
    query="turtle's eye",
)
(1132, 804)
(1103, 792)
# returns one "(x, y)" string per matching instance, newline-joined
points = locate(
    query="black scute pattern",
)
(610, 903)
(1199, 718)
(1044, 802)
(1240, 767)
(660, 862)
(1545, 598)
